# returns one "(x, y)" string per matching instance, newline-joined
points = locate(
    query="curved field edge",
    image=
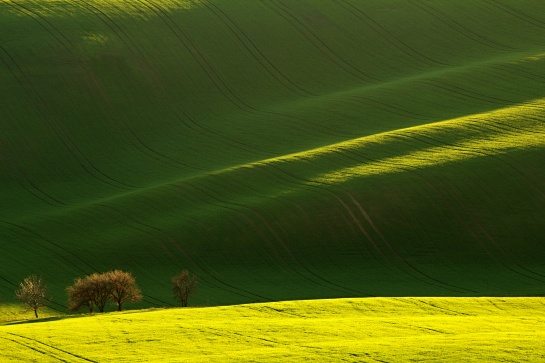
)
(316, 149)
(373, 329)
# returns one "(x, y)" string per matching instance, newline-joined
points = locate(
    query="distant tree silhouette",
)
(123, 288)
(80, 295)
(183, 285)
(100, 289)
(97, 289)
(32, 293)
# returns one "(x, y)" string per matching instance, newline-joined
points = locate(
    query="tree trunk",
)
(36, 313)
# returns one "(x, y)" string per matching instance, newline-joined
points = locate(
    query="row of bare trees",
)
(97, 289)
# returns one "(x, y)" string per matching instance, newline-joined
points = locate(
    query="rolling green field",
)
(280, 150)
(354, 330)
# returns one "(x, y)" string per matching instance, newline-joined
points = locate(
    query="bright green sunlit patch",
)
(534, 58)
(485, 134)
(126, 8)
(439, 155)
(95, 39)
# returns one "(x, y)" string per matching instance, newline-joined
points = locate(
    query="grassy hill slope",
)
(279, 150)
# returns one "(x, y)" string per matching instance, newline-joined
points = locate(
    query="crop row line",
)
(516, 13)
(255, 52)
(283, 11)
(496, 246)
(46, 349)
(119, 119)
(387, 35)
(393, 261)
(453, 24)
(47, 113)
(271, 238)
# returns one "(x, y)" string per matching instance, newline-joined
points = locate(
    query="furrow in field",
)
(261, 58)
(42, 354)
(517, 13)
(276, 244)
(406, 265)
(172, 248)
(151, 79)
(283, 11)
(213, 277)
(503, 255)
(255, 52)
(252, 110)
(381, 246)
(387, 35)
(453, 24)
(53, 124)
(161, 94)
(277, 176)
(46, 349)
(195, 124)
(212, 73)
(61, 252)
(395, 164)
(14, 170)
(199, 264)
(441, 188)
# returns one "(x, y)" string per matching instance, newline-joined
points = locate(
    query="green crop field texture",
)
(278, 149)
(355, 330)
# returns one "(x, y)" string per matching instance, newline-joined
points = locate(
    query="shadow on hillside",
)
(75, 315)
(39, 320)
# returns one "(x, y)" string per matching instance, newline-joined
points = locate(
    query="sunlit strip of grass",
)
(486, 134)
(439, 155)
(133, 8)
(385, 329)
(472, 134)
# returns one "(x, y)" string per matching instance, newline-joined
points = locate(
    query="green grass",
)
(277, 149)
(357, 330)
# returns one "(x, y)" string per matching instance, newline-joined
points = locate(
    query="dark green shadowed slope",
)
(277, 149)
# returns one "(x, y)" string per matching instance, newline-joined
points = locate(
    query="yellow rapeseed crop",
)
(362, 330)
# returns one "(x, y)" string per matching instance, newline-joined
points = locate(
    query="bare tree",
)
(80, 295)
(124, 288)
(100, 289)
(183, 285)
(32, 293)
